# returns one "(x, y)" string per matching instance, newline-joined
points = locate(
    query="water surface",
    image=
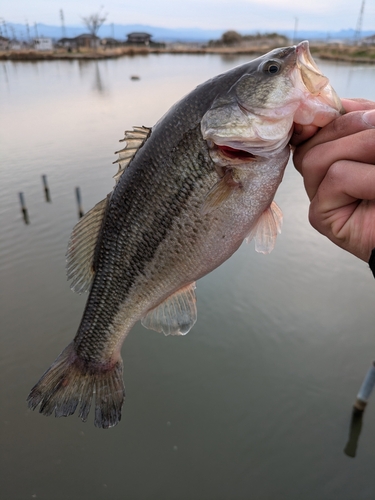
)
(255, 402)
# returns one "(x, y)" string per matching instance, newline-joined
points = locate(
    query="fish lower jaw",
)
(235, 154)
(315, 112)
(242, 153)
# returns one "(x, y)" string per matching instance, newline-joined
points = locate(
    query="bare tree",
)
(94, 22)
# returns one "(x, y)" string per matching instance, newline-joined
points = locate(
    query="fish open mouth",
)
(235, 154)
(314, 82)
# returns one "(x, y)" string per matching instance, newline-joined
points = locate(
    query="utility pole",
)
(28, 31)
(63, 33)
(5, 28)
(358, 30)
(36, 30)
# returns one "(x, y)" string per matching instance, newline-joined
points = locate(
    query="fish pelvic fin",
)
(134, 140)
(70, 383)
(176, 315)
(266, 229)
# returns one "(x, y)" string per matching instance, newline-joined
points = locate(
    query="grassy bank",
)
(349, 53)
(337, 53)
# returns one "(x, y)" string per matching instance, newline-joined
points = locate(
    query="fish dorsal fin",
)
(266, 229)
(220, 192)
(134, 140)
(80, 255)
(176, 315)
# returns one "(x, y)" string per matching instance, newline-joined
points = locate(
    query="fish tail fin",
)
(71, 382)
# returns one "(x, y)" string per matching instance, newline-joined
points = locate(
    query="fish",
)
(188, 192)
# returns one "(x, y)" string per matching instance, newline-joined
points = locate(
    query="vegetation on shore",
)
(231, 42)
(341, 52)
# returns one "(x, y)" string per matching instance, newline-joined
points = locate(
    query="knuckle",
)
(314, 216)
(335, 172)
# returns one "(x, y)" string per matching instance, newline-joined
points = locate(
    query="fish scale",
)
(188, 192)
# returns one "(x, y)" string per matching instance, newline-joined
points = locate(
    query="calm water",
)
(255, 402)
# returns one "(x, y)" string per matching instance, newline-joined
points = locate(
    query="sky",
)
(241, 15)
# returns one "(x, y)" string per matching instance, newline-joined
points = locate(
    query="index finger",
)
(357, 104)
(349, 124)
(302, 133)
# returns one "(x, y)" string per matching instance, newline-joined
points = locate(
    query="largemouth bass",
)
(188, 192)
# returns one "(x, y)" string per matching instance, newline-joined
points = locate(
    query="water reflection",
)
(5, 72)
(355, 431)
(259, 389)
(98, 85)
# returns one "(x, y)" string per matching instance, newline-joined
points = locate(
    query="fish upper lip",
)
(304, 56)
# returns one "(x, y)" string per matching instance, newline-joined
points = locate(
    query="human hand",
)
(338, 168)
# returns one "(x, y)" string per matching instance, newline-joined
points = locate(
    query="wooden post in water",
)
(24, 209)
(79, 202)
(46, 189)
(358, 409)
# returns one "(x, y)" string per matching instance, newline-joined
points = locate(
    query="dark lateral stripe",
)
(154, 195)
(173, 205)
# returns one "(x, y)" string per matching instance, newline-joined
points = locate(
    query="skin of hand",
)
(337, 163)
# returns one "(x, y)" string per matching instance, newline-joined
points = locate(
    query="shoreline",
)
(345, 53)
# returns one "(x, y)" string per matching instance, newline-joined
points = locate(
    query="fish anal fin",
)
(134, 140)
(220, 193)
(266, 229)
(176, 315)
(80, 256)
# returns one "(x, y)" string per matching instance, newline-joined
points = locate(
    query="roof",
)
(86, 35)
(139, 33)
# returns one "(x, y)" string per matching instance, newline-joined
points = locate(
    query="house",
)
(109, 42)
(81, 41)
(42, 43)
(4, 43)
(368, 40)
(87, 41)
(16, 45)
(67, 43)
(139, 38)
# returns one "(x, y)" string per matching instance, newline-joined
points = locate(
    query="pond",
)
(255, 402)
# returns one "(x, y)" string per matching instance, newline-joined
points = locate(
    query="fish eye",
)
(272, 67)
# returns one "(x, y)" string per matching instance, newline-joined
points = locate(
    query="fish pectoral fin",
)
(80, 256)
(176, 315)
(266, 229)
(220, 192)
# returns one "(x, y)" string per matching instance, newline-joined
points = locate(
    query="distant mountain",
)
(119, 31)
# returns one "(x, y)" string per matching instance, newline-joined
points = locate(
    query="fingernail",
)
(369, 117)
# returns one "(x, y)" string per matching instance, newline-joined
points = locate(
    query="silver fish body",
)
(188, 192)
